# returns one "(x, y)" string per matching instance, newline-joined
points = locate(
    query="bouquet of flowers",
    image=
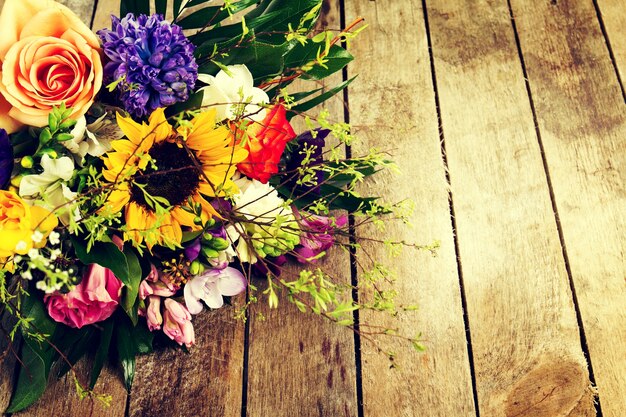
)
(150, 171)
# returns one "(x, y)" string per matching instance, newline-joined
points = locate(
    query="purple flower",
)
(317, 235)
(152, 61)
(192, 251)
(306, 140)
(6, 158)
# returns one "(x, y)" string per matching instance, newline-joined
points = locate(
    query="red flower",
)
(265, 144)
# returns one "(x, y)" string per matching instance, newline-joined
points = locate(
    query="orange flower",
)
(266, 142)
(48, 57)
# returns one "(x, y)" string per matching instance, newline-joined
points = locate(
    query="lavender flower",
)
(151, 60)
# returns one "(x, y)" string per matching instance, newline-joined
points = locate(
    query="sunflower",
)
(157, 163)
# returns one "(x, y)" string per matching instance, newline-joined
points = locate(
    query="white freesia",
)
(229, 89)
(51, 184)
(211, 286)
(93, 139)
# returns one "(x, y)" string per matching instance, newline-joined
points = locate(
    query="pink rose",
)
(48, 57)
(93, 300)
(177, 323)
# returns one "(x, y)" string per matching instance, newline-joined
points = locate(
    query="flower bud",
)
(27, 162)
(219, 244)
(196, 268)
(209, 253)
(50, 152)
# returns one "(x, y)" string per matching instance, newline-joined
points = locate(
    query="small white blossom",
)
(37, 237)
(54, 254)
(54, 238)
(17, 259)
(21, 245)
(33, 253)
(27, 274)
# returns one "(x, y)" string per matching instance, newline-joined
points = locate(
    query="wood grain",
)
(205, 382)
(582, 118)
(312, 369)
(61, 398)
(614, 18)
(392, 107)
(519, 305)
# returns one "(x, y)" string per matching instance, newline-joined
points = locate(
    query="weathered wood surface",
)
(537, 181)
(392, 107)
(613, 15)
(523, 326)
(582, 119)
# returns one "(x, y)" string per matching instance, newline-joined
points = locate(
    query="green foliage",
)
(130, 341)
(105, 254)
(36, 355)
(102, 353)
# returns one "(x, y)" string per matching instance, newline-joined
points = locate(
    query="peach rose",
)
(48, 57)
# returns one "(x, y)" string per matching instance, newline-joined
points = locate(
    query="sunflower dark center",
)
(175, 177)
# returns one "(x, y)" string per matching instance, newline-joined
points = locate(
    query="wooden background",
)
(508, 121)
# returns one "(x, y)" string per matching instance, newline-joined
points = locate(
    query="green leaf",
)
(126, 351)
(160, 7)
(131, 290)
(199, 18)
(193, 103)
(176, 8)
(143, 339)
(262, 59)
(40, 322)
(336, 59)
(74, 343)
(235, 8)
(33, 376)
(134, 6)
(104, 254)
(307, 105)
(103, 351)
(37, 357)
(291, 12)
(225, 36)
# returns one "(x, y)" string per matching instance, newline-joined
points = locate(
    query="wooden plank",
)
(392, 107)
(614, 18)
(61, 398)
(582, 118)
(206, 382)
(525, 339)
(308, 361)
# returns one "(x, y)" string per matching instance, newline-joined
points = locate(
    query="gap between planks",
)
(444, 157)
(546, 168)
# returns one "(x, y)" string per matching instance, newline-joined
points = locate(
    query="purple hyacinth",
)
(151, 60)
